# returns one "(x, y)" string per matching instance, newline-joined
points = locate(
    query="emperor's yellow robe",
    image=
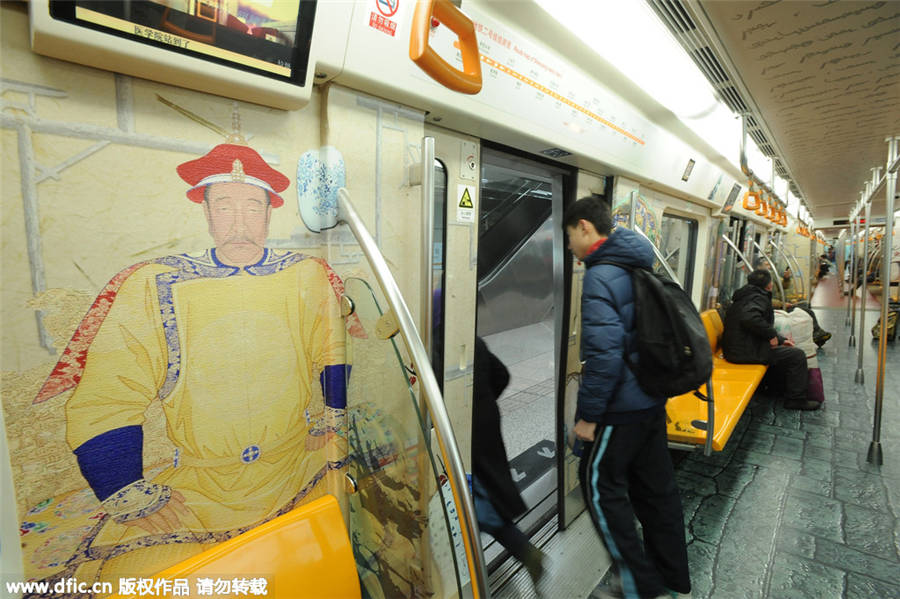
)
(233, 355)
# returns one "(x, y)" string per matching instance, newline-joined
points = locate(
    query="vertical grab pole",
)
(875, 455)
(852, 273)
(860, 375)
(852, 303)
(427, 300)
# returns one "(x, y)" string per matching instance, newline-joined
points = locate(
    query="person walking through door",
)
(625, 469)
(497, 499)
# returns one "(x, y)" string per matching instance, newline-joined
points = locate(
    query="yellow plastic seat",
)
(733, 386)
(303, 554)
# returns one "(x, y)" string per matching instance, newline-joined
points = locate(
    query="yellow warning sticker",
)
(466, 200)
(465, 209)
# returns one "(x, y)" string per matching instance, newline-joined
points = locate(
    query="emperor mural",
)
(232, 341)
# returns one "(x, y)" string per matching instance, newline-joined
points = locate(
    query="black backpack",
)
(674, 356)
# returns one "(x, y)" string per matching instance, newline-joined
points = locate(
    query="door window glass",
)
(678, 244)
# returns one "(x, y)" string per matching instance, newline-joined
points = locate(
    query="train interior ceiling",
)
(194, 379)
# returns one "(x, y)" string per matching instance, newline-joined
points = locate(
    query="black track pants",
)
(790, 363)
(627, 472)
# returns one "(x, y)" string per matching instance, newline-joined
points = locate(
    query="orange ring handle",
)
(746, 201)
(467, 80)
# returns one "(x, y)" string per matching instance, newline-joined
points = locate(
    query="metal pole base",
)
(852, 341)
(860, 376)
(875, 454)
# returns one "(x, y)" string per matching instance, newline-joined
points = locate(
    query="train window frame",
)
(693, 225)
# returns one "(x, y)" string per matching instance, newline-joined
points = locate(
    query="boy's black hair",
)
(592, 208)
(761, 278)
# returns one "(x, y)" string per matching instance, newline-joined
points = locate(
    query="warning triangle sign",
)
(466, 200)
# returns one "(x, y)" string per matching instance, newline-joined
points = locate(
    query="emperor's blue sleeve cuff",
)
(112, 460)
(334, 385)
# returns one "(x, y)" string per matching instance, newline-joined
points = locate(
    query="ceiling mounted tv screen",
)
(269, 37)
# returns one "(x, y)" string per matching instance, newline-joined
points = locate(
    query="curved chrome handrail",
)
(740, 254)
(774, 271)
(431, 391)
(660, 257)
(789, 258)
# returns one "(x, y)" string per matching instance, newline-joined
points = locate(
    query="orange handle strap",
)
(467, 80)
(747, 204)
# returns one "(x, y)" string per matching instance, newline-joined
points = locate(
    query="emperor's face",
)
(238, 216)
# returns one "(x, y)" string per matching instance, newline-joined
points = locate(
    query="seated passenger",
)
(820, 335)
(750, 338)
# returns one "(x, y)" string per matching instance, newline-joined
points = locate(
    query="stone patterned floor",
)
(791, 508)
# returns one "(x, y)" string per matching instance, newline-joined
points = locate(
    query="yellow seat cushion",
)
(733, 386)
(305, 553)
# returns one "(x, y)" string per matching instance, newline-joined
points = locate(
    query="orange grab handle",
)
(467, 80)
(746, 201)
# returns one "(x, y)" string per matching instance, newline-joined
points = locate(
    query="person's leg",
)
(506, 532)
(657, 505)
(791, 361)
(605, 472)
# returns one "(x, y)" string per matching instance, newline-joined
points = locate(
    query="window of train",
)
(438, 244)
(679, 246)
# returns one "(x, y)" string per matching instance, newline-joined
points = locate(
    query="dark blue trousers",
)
(626, 472)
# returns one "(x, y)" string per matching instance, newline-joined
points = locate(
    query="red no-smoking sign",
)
(387, 7)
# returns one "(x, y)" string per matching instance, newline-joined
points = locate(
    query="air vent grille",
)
(677, 17)
(680, 17)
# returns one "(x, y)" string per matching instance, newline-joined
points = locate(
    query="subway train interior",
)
(370, 186)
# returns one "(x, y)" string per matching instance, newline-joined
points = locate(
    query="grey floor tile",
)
(815, 514)
(863, 587)
(796, 541)
(871, 531)
(860, 488)
(795, 577)
(850, 559)
(811, 485)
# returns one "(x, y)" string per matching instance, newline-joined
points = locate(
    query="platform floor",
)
(791, 507)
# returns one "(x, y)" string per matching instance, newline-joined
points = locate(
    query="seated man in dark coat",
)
(750, 338)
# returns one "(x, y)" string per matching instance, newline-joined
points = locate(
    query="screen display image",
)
(732, 196)
(263, 36)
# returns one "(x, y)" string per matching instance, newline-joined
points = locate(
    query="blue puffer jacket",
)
(609, 393)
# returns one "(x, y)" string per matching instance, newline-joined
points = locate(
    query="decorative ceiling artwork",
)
(825, 76)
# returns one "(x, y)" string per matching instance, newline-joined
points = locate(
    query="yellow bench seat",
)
(304, 554)
(733, 386)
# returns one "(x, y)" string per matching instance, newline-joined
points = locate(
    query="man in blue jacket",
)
(625, 468)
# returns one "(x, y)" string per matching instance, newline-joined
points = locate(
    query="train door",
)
(520, 285)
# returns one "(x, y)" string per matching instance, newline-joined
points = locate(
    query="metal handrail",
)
(710, 403)
(791, 258)
(775, 277)
(740, 254)
(660, 257)
(860, 375)
(875, 454)
(431, 391)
